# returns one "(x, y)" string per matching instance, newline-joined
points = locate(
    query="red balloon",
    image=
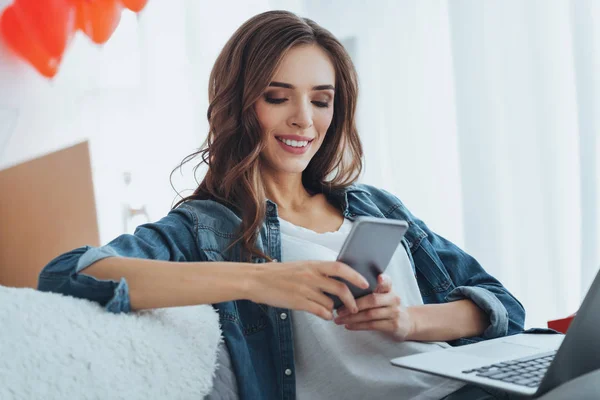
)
(52, 22)
(39, 34)
(40, 30)
(135, 5)
(98, 19)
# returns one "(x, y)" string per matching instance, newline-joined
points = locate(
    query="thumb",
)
(384, 284)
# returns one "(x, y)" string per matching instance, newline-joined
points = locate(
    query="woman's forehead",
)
(305, 67)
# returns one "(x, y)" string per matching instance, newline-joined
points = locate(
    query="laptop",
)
(525, 364)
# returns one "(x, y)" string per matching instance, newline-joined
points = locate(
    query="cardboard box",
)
(47, 207)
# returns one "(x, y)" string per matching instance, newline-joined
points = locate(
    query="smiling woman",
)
(283, 83)
(259, 237)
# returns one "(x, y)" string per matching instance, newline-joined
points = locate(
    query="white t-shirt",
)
(332, 362)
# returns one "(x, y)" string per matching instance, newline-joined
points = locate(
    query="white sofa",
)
(58, 347)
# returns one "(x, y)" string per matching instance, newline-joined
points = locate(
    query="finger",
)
(381, 326)
(375, 300)
(319, 297)
(315, 308)
(384, 284)
(341, 290)
(372, 314)
(343, 271)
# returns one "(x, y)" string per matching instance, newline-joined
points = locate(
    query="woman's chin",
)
(291, 167)
(288, 165)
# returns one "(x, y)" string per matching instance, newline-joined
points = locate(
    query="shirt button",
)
(288, 372)
(283, 315)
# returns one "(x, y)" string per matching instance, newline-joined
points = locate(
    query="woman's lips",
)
(292, 149)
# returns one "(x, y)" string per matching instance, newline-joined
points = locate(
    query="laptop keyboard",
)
(527, 371)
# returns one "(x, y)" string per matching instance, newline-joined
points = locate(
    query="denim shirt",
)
(259, 337)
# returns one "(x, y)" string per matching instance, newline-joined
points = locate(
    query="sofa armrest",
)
(58, 347)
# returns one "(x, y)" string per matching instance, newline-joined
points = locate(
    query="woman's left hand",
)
(380, 311)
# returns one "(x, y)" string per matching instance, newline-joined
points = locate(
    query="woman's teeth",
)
(294, 143)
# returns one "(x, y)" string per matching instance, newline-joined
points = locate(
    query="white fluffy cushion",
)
(58, 347)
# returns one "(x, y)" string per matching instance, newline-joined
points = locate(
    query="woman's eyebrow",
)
(290, 86)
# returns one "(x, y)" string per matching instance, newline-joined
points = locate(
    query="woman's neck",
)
(286, 190)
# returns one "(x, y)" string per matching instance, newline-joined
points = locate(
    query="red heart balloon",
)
(134, 5)
(39, 34)
(51, 22)
(98, 19)
(39, 31)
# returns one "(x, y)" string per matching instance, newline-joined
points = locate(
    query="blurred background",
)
(482, 116)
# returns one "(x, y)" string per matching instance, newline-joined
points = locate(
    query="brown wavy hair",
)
(240, 75)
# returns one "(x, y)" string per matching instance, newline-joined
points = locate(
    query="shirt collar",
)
(339, 195)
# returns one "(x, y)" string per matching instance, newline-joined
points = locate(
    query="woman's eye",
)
(274, 100)
(321, 104)
(279, 100)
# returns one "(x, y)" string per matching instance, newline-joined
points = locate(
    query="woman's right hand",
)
(299, 285)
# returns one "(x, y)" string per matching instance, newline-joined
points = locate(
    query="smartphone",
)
(368, 249)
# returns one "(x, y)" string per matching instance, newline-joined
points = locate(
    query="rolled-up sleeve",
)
(506, 314)
(173, 238)
(489, 303)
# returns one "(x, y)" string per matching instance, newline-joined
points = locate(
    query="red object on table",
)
(561, 325)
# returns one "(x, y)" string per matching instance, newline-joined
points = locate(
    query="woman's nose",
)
(302, 116)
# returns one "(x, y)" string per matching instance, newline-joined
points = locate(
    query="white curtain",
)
(527, 117)
(484, 117)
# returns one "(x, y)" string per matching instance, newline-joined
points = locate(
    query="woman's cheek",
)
(323, 123)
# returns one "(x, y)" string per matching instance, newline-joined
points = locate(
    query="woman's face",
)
(296, 109)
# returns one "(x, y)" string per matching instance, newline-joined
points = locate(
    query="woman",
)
(259, 237)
